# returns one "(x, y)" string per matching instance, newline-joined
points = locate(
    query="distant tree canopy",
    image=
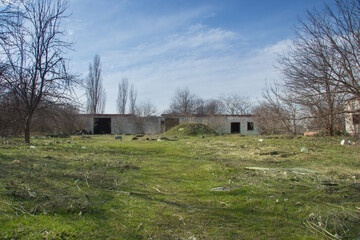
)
(186, 103)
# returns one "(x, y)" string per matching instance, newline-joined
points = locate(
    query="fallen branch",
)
(321, 230)
(123, 192)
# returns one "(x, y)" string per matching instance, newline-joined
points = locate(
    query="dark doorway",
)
(170, 123)
(102, 125)
(235, 127)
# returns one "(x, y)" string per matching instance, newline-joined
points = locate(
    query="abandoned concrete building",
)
(241, 124)
(120, 124)
(352, 116)
(131, 124)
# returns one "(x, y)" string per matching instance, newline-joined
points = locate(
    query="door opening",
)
(102, 125)
(235, 127)
(170, 123)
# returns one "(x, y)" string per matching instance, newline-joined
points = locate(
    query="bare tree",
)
(235, 104)
(60, 119)
(122, 96)
(184, 102)
(278, 113)
(33, 52)
(321, 99)
(335, 33)
(209, 106)
(317, 67)
(94, 91)
(146, 109)
(9, 21)
(132, 99)
(212, 106)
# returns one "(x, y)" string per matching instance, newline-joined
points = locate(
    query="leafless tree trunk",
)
(33, 53)
(94, 91)
(132, 99)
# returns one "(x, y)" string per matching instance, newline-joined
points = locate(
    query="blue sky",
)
(213, 47)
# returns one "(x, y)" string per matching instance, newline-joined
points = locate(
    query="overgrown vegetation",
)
(217, 187)
(190, 129)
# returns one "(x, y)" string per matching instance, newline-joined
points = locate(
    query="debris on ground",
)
(151, 139)
(328, 183)
(272, 153)
(224, 188)
(345, 142)
(304, 150)
(309, 134)
(257, 168)
(293, 170)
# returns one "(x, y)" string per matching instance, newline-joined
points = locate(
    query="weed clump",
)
(191, 129)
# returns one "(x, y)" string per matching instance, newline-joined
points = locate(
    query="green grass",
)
(102, 188)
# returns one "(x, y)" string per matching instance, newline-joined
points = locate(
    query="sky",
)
(212, 47)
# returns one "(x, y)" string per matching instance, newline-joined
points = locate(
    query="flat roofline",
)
(107, 115)
(113, 115)
(205, 115)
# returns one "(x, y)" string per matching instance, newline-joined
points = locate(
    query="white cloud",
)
(209, 61)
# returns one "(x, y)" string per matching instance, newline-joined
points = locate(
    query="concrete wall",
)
(222, 123)
(125, 124)
(352, 108)
(130, 124)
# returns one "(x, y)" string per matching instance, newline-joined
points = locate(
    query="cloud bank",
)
(210, 61)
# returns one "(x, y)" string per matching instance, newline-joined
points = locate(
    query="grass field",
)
(220, 187)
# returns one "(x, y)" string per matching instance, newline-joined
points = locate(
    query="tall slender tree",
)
(95, 93)
(122, 97)
(132, 100)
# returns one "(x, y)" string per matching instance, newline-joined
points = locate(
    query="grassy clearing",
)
(221, 187)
